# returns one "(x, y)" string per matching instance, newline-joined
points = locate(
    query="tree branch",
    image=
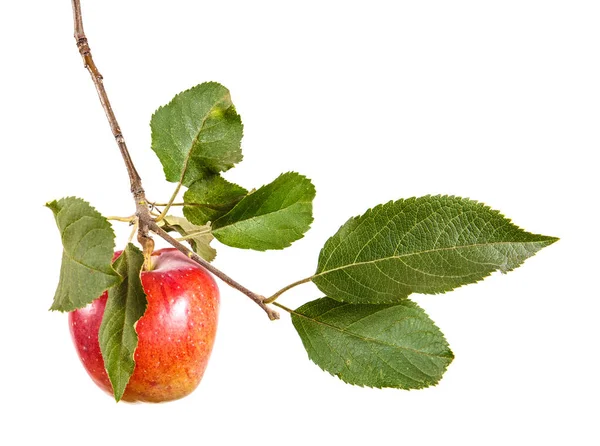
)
(260, 300)
(142, 211)
(88, 61)
(145, 221)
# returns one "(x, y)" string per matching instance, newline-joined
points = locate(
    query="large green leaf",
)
(126, 304)
(270, 218)
(197, 134)
(210, 198)
(374, 345)
(88, 246)
(199, 237)
(426, 245)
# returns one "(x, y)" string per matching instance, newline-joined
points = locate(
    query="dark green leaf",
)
(88, 246)
(126, 304)
(210, 198)
(199, 237)
(272, 217)
(197, 134)
(426, 245)
(374, 345)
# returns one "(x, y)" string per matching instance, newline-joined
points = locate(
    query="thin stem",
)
(86, 55)
(193, 234)
(133, 231)
(144, 221)
(260, 300)
(277, 304)
(139, 196)
(272, 299)
(123, 219)
(170, 203)
(214, 207)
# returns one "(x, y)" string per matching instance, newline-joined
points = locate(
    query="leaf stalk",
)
(284, 289)
(163, 214)
(283, 307)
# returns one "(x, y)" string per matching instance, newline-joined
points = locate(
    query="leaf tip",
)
(52, 205)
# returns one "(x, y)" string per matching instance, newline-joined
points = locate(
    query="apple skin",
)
(176, 333)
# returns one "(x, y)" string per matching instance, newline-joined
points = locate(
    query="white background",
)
(374, 101)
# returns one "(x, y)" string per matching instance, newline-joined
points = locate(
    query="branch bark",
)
(260, 300)
(145, 220)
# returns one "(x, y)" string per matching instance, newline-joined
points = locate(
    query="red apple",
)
(176, 333)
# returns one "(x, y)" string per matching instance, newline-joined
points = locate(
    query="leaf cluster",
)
(365, 329)
(197, 136)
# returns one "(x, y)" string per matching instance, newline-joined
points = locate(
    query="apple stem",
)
(145, 220)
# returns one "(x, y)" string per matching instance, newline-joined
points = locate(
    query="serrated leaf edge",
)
(547, 241)
(309, 224)
(121, 344)
(52, 205)
(434, 382)
(226, 96)
(57, 212)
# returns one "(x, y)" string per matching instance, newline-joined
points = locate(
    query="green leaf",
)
(394, 345)
(88, 246)
(429, 245)
(272, 217)
(199, 237)
(197, 134)
(210, 198)
(125, 305)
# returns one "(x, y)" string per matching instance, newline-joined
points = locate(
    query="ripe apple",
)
(176, 333)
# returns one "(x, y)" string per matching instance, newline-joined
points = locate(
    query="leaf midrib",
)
(122, 322)
(427, 251)
(364, 338)
(201, 128)
(255, 217)
(88, 267)
(215, 207)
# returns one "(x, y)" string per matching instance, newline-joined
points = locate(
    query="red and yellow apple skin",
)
(176, 333)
